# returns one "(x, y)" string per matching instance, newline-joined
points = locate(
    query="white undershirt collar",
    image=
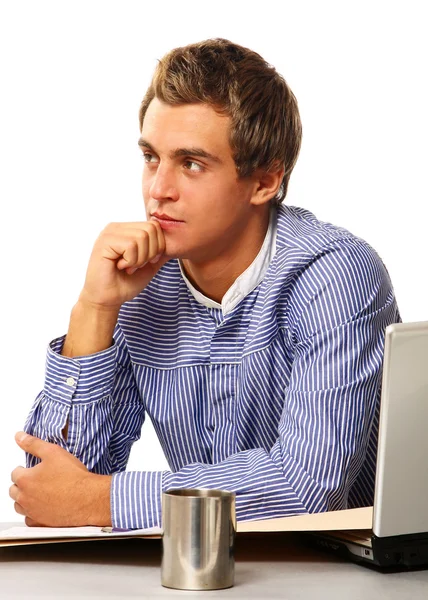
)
(248, 280)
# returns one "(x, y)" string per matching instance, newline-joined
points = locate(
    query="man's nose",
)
(164, 185)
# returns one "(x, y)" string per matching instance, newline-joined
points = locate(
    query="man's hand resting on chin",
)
(59, 491)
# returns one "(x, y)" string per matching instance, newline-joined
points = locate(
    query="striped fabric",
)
(277, 400)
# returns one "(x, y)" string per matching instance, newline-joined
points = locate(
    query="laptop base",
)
(399, 552)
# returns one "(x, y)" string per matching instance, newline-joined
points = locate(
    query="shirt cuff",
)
(136, 499)
(81, 379)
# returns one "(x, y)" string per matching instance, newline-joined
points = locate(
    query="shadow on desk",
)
(131, 552)
(252, 547)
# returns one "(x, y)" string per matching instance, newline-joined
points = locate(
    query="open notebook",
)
(13, 534)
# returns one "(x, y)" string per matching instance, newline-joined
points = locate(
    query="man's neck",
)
(213, 278)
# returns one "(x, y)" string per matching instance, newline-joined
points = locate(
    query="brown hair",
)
(235, 81)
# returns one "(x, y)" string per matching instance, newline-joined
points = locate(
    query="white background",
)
(72, 75)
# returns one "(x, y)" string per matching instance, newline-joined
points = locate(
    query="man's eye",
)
(193, 166)
(149, 158)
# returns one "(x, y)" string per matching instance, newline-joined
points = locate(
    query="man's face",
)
(190, 183)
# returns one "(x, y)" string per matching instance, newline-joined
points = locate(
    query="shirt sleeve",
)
(337, 313)
(99, 397)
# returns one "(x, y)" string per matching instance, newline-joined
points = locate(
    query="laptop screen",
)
(401, 492)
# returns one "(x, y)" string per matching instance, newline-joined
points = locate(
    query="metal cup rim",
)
(198, 493)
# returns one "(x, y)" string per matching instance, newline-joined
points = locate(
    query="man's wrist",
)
(90, 331)
(103, 312)
(99, 509)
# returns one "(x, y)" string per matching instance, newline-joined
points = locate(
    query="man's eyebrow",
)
(194, 151)
(143, 144)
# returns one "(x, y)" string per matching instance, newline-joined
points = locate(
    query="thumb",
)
(159, 263)
(150, 268)
(31, 444)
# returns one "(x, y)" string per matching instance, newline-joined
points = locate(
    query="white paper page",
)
(25, 533)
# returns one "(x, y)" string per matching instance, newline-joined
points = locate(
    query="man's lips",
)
(166, 222)
(163, 217)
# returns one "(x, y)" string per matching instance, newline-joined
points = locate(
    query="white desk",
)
(272, 566)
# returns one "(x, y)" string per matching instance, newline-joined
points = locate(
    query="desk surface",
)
(269, 566)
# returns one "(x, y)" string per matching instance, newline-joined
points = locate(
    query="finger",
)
(125, 227)
(156, 241)
(132, 244)
(14, 492)
(31, 523)
(131, 254)
(144, 242)
(33, 445)
(156, 259)
(120, 247)
(148, 245)
(16, 473)
(161, 238)
(148, 248)
(18, 508)
(135, 250)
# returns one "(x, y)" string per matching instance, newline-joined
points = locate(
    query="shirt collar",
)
(248, 280)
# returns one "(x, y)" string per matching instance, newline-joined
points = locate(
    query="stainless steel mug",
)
(199, 528)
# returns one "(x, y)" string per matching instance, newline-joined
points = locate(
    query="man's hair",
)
(265, 132)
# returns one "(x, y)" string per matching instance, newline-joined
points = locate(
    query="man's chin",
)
(195, 254)
(179, 253)
(170, 255)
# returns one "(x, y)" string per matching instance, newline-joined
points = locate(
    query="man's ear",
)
(267, 183)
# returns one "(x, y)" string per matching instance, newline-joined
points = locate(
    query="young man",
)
(249, 331)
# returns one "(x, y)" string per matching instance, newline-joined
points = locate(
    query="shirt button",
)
(70, 381)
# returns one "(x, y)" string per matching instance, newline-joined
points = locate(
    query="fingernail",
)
(21, 436)
(155, 259)
(132, 271)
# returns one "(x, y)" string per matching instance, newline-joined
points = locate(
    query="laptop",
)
(399, 535)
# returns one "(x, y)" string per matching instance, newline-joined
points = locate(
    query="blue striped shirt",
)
(276, 399)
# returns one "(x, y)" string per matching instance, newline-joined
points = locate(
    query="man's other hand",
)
(59, 491)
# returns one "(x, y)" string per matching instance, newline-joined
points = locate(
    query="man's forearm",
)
(90, 330)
